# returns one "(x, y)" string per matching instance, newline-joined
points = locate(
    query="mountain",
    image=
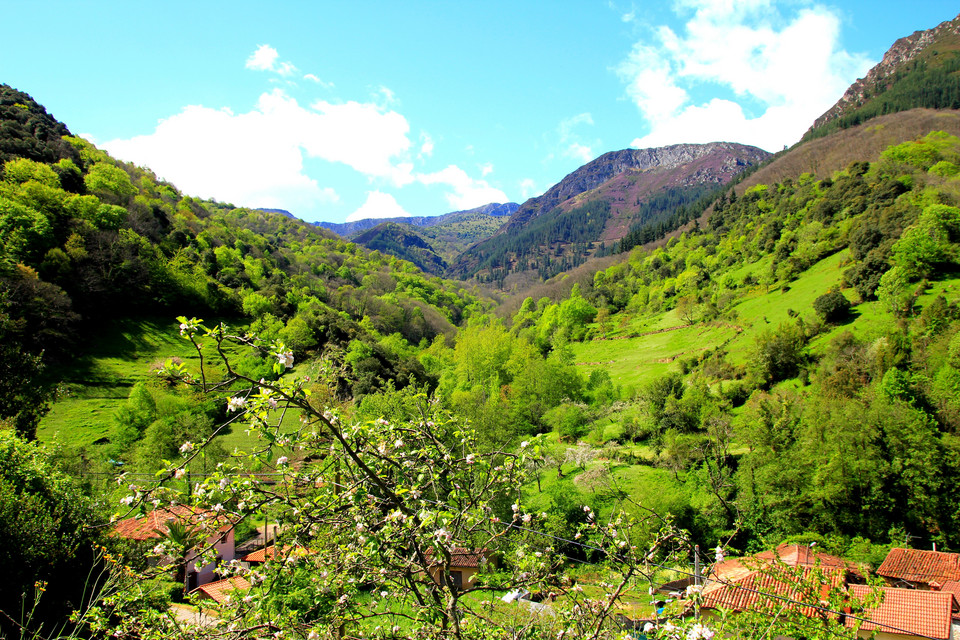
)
(919, 70)
(349, 229)
(403, 242)
(600, 202)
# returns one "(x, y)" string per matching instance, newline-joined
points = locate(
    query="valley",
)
(566, 401)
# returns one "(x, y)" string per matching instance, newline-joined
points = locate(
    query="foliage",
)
(50, 532)
(832, 306)
(374, 514)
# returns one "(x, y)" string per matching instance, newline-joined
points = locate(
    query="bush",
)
(777, 355)
(832, 306)
(570, 421)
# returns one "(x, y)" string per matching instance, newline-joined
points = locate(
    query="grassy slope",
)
(638, 360)
(98, 383)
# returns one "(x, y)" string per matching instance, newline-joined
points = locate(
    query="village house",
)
(221, 591)
(919, 568)
(777, 580)
(906, 614)
(209, 526)
(464, 565)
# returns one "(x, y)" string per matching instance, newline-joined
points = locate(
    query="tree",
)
(49, 532)
(777, 355)
(376, 512)
(24, 395)
(108, 180)
(832, 306)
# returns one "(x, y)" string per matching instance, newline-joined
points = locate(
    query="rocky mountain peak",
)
(903, 51)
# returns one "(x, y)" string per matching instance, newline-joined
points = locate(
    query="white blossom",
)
(186, 447)
(719, 554)
(282, 460)
(236, 403)
(699, 632)
(470, 459)
(286, 359)
(524, 444)
(128, 500)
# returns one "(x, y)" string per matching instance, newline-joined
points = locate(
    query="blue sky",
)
(337, 110)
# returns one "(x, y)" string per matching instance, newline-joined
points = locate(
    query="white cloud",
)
(528, 188)
(256, 158)
(486, 169)
(263, 58)
(426, 145)
(579, 152)
(378, 205)
(385, 96)
(571, 143)
(467, 192)
(790, 67)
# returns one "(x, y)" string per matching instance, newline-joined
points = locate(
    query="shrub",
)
(832, 306)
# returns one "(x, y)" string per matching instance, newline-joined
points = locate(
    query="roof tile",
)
(907, 612)
(154, 524)
(219, 590)
(921, 566)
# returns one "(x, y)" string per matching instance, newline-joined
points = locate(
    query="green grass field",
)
(97, 384)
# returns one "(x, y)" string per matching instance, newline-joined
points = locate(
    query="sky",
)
(338, 111)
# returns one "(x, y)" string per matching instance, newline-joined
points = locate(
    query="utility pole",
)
(697, 578)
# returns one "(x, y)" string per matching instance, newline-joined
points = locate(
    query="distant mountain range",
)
(350, 229)
(598, 204)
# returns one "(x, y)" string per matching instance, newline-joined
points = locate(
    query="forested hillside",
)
(87, 240)
(809, 387)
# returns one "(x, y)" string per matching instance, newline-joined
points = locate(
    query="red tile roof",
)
(260, 555)
(918, 565)
(952, 587)
(906, 612)
(770, 588)
(463, 557)
(219, 589)
(154, 524)
(801, 555)
(791, 555)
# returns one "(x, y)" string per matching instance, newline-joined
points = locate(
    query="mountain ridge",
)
(347, 229)
(884, 75)
(623, 180)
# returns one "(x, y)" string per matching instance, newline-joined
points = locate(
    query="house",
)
(464, 565)
(733, 570)
(774, 581)
(215, 529)
(907, 614)
(778, 580)
(264, 536)
(919, 568)
(221, 591)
